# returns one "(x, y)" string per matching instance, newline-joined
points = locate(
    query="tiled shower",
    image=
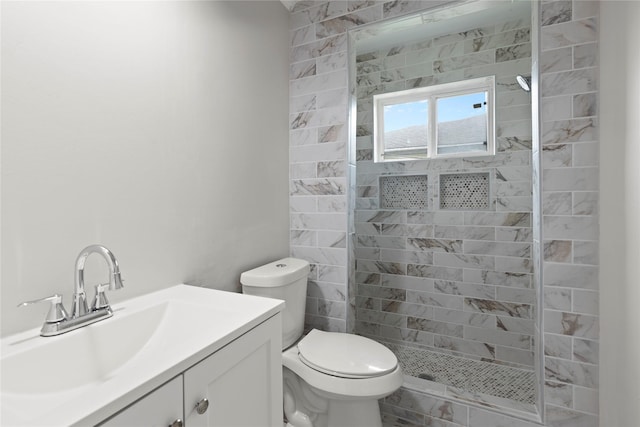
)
(321, 162)
(443, 247)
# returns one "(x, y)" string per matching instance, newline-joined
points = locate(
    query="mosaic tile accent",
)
(464, 191)
(468, 374)
(403, 192)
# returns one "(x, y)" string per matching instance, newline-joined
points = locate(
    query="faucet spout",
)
(79, 306)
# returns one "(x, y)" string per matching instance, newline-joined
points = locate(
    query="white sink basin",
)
(83, 376)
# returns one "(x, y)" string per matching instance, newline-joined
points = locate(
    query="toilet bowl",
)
(330, 379)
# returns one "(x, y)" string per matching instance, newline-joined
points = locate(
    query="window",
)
(446, 120)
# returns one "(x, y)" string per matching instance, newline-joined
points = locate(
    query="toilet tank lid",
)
(276, 273)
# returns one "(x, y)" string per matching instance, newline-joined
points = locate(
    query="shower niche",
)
(443, 271)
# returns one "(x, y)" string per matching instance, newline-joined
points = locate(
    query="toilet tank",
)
(285, 279)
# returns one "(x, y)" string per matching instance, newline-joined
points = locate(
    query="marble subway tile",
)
(585, 252)
(434, 327)
(555, 12)
(318, 221)
(558, 250)
(557, 298)
(560, 394)
(586, 351)
(465, 289)
(586, 154)
(565, 131)
(481, 349)
(561, 417)
(302, 35)
(571, 275)
(514, 234)
(303, 238)
(507, 38)
(406, 257)
(302, 170)
(513, 219)
(333, 239)
(436, 245)
(586, 9)
(558, 346)
(570, 228)
(557, 203)
(585, 55)
(482, 418)
(569, 33)
(331, 169)
(336, 204)
(335, 309)
(497, 337)
(578, 325)
(480, 320)
(326, 186)
(508, 249)
(556, 108)
(429, 405)
(585, 203)
(585, 302)
(515, 324)
(407, 282)
(585, 105)
(498, 308)
(413, 310)
(514, 355)
(565, 371)
(435, 299)
(510, 53)
(381, 267)
(518, 280)
(463, 260)
(382, 318)
(586, 400)
(516, 295)
(327, 46)
(557, 155)
(342, 23)
(326, 291)
(569, 82)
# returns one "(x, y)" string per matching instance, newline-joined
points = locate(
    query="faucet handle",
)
(56, 312)
(100, 300)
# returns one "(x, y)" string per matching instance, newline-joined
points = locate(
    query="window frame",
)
(431, 94)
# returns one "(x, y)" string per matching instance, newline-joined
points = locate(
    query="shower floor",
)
(470, 375)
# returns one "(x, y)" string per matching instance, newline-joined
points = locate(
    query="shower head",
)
(524, 82)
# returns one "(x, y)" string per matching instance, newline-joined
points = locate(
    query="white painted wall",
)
(158, 129)
(620, 213)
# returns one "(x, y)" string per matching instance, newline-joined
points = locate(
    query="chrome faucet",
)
(58, 321)
(79, 306)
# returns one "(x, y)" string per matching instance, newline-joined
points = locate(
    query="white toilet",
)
(330, 379)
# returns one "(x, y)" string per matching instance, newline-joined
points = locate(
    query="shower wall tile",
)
(319, 205)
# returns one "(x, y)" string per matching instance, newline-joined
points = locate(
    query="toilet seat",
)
(345, 355)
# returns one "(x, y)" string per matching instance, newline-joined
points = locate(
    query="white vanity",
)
(181, 356)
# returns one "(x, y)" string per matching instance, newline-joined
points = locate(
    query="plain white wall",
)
(158, 129)
(620, 213)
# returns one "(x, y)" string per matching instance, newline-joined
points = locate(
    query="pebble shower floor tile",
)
(471, 375)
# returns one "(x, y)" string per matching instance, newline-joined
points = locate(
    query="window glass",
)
(462, 123)
(406, 126)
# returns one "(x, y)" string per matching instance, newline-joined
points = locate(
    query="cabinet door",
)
(242, 382)
(160, 408)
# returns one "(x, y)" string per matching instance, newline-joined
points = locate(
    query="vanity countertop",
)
(83, 376)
